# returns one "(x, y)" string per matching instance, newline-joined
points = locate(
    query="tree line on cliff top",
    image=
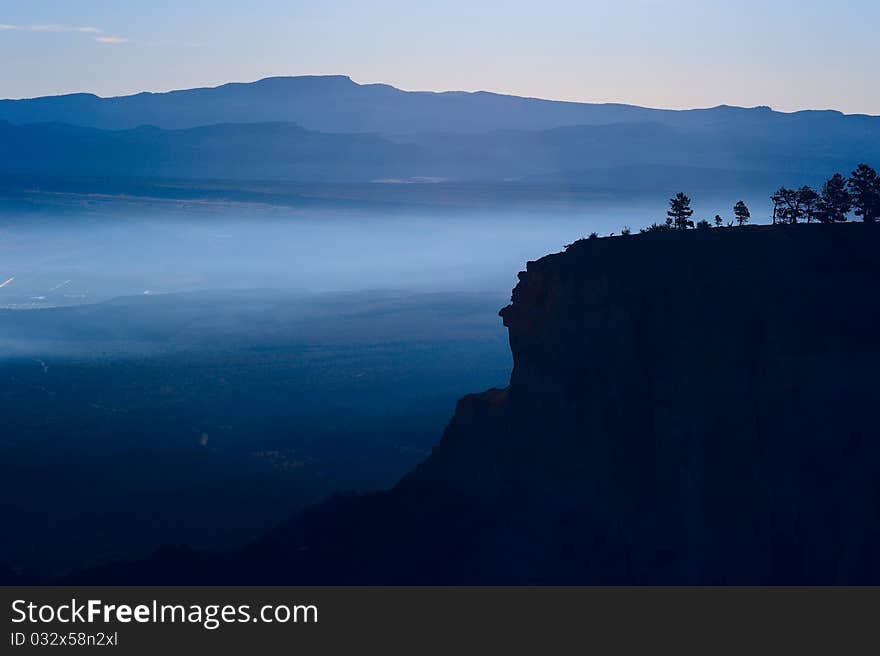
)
(838, 197)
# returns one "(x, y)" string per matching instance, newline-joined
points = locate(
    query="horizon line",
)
(432, 91)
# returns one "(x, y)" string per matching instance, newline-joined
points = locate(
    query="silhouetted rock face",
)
(690, 408)
(684, 408)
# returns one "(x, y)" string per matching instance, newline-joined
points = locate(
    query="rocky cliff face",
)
(684, 408)
(692, 408)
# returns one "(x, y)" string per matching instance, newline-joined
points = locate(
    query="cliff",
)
(695, 408)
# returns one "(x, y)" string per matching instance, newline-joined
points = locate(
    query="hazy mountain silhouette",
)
(332, 129)
(267, 151)
(333, 103)
(337, 104)
(693, 407)
(627, 156)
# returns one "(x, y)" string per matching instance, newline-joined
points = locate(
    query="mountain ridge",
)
(314, 102)
(331, 129)
(798, 152)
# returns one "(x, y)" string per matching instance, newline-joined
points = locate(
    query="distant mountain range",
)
(335, 103)
(332, 129)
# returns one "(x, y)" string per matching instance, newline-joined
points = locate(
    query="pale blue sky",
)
(661, 53)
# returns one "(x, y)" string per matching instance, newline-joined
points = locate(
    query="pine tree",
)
(718, 221)
(786, 205)
(680, 211)
(834, 201)
(864, 189)
(809, 202)
(741, 212)
(778, 203)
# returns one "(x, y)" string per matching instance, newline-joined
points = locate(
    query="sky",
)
(658, 53)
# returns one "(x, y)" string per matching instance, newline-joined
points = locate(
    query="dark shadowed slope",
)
(205, 418)
(683, 408)
(337, 104)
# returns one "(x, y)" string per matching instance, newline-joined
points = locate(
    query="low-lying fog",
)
(73, 257)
